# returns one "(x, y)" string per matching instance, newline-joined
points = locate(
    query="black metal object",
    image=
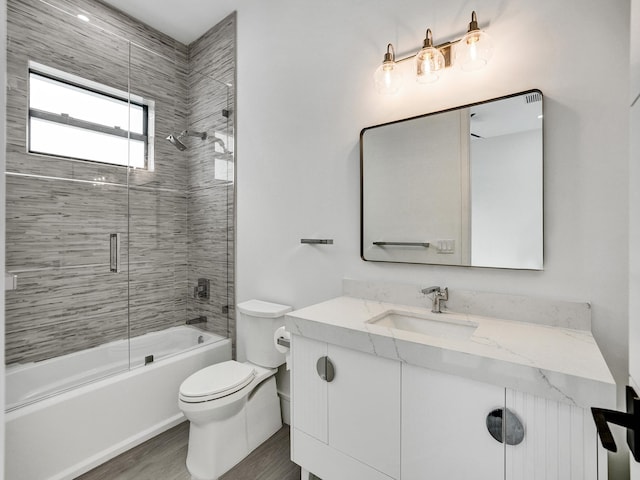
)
(200, 319)
(201, 292)
(325, 369)
(629, 420)
(317, 241)
(505, 426)
(148, 359)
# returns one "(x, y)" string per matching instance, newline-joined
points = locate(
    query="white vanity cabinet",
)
(444, 433)
(348, 427)
(380, 419)
(560, 441)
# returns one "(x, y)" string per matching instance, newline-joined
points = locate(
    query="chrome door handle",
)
(114, 252)
(325, 369)
(630, 420)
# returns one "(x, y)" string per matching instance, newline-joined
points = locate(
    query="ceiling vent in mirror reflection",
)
(471, 52)
(463, 186)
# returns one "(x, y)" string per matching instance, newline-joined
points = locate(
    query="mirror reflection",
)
(457, 187)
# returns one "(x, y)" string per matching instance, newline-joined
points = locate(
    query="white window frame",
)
(148, 107)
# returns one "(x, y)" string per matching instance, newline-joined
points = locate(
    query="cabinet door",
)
(364, 409)
(308, 390)
(444, 433)
(559, 443)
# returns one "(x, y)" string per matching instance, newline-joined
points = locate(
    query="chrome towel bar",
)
(401, 244)
(317, 241)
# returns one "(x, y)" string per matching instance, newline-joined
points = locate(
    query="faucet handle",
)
(428, 290)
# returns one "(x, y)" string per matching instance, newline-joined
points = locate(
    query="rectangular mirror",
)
(462, 186)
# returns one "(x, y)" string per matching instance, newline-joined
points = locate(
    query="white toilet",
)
(234, 407)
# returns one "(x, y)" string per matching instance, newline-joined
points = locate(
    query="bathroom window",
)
(75, 118)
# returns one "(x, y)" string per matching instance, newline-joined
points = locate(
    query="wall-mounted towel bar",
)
(317, 241)
(401, 244)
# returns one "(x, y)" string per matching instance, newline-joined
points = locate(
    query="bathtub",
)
(104, 407)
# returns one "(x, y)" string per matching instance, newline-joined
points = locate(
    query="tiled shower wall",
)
(60, 212)
(211, 230)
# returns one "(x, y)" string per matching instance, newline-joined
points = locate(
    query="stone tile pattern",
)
(58, 229)
(211, 200)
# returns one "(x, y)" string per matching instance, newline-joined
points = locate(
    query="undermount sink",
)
(441, 325)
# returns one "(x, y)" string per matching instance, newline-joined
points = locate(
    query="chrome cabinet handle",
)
(325, 369)
(505, 427)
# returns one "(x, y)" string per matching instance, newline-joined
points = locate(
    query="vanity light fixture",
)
(474, 49)
(388, 77)
(471, 52)
(429, 61)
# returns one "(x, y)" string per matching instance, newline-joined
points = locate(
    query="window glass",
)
(69, 120)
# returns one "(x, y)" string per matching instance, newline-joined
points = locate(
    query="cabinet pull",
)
(325, 369)
(505, 427)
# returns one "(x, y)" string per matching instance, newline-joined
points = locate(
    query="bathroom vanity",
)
(393, 391)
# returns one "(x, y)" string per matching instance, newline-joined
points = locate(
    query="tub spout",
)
(200, 319)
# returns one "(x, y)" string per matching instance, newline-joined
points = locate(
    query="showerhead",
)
(177, 143)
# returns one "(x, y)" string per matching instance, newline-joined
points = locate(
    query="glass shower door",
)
(66, 202)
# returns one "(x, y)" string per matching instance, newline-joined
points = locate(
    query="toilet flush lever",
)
(325, 369)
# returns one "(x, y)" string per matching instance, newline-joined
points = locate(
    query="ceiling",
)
(183, 20)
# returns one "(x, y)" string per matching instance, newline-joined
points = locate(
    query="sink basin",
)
(440, 325)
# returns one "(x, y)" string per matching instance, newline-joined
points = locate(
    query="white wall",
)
(305, 92)
(507, 167)
(408, 165)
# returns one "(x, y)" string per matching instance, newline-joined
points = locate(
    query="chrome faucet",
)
(439, 295)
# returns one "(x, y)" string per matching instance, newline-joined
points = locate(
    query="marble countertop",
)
(558, 363)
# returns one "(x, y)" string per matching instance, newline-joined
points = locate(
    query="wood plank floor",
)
(163, 458)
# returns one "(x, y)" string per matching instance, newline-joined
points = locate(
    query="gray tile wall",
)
(210, 200)
(58, 229)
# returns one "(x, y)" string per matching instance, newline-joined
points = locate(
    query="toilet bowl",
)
(233, 407)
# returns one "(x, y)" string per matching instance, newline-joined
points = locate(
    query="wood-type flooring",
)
(163, 458)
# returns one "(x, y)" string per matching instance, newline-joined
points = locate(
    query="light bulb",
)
(474, 50)
(388, 77)
(429, 61)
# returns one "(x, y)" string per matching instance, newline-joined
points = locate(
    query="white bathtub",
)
(69, 433)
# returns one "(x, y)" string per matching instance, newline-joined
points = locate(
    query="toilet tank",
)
(261, 320)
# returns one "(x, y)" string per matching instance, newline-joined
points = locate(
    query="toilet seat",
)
(216, 381)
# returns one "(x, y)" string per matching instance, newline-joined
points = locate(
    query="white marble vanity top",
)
(554, 362)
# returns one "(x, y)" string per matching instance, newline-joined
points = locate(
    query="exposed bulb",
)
(474, 50)
(429, 61)
(388, 77)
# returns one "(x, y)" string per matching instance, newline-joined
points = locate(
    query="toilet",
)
(233, 407)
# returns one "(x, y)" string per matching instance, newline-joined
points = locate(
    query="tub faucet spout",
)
(439, 295)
